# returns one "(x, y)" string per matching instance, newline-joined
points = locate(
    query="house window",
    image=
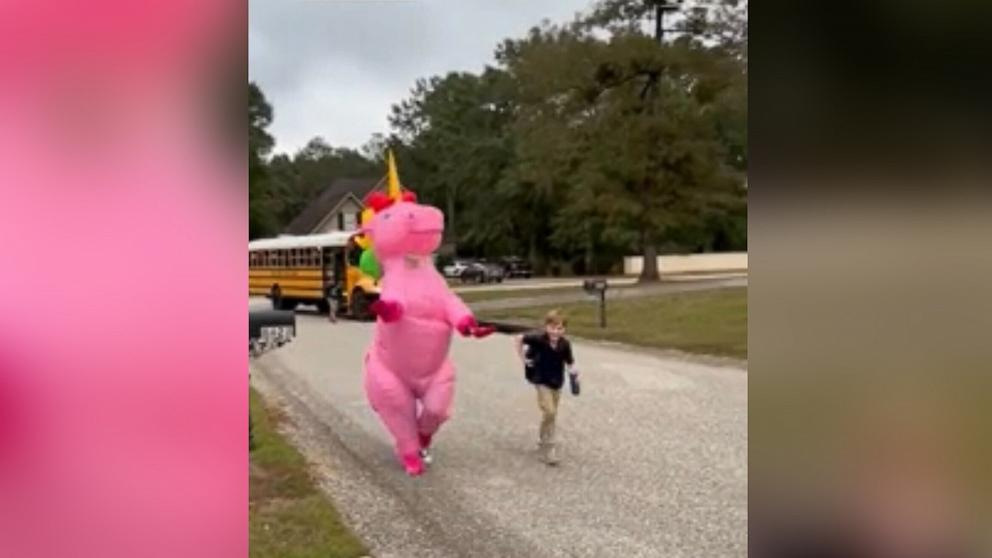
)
(349, 222)
(340, 221)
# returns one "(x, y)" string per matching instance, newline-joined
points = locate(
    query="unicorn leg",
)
(394, 402)
(436, 403)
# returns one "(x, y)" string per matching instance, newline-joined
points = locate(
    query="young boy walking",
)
(545, 355)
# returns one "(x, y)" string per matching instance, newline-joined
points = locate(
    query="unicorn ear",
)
(409, 196)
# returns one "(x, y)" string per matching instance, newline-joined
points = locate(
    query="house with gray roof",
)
(337, 208)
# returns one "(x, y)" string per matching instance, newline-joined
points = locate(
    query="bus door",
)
(333, 270)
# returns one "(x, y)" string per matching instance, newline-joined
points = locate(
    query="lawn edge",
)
(282, 424)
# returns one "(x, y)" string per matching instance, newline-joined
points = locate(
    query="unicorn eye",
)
(387, 215)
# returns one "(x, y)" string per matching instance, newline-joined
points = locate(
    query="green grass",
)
(287, 515)
(707, 322)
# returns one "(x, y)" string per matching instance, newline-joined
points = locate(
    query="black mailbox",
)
(598, 287)
(259, 320)
(269, 329)
(594, 285)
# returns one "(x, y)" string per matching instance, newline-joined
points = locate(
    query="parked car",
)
(456, 268)
(517, 267)
(482, 272)
(494, 272)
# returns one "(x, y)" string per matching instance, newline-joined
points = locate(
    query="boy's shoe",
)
(551, 456)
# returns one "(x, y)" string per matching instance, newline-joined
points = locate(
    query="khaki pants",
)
(547, 400)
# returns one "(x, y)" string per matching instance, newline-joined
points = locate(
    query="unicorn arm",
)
(461, 318)
(457, 313)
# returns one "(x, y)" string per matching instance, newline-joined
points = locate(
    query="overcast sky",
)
(334, 67)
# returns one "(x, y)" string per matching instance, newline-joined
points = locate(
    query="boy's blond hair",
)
(555, 318)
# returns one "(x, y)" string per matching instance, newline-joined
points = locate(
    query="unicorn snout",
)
(426, 219)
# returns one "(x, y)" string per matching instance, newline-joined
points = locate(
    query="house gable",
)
(322, 212)
(344, 216)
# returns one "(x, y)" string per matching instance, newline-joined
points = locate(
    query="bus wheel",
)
(276, 296)
(359, 305)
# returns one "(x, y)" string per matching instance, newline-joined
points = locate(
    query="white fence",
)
(690, 263)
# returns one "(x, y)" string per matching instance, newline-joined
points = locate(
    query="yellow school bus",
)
(311, 269)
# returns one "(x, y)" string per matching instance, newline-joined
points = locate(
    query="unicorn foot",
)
(413, 465)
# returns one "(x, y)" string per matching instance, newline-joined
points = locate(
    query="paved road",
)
(654, 450)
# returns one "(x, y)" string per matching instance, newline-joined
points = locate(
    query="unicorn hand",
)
(387, 310)
(482, 331)
(466, 325)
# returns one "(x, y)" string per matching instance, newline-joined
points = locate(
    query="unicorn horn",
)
(393, 179)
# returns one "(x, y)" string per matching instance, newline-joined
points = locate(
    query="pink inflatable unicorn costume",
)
(408, 377)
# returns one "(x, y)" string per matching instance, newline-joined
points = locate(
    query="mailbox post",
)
(267, 330)
(598, 287)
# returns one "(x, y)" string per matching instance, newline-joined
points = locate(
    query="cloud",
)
(334, 67)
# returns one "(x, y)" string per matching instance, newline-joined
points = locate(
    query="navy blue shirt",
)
(548, 368)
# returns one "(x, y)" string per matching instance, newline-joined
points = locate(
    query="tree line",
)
(579, 144)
